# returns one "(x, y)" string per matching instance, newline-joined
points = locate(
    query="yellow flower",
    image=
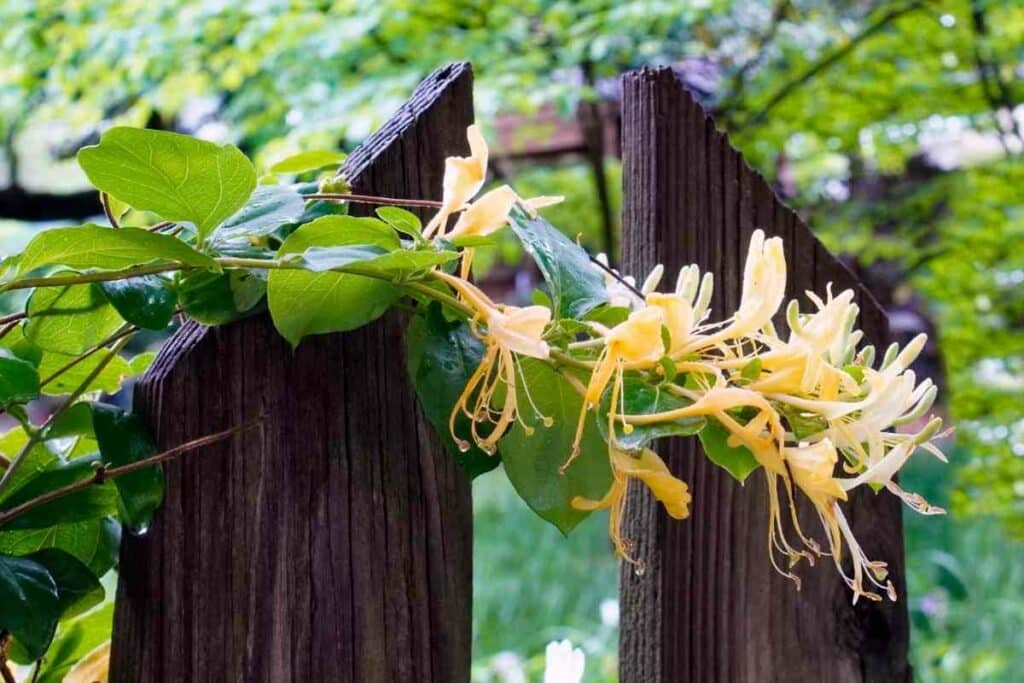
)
(489, 214)
(652, 471)
(510, 330)
(764, 286)
(463, 178)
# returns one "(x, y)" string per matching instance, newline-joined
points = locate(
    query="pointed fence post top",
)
(710, 606)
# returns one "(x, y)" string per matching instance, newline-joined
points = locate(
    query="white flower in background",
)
(610, 612)
(563, 663)
(619, 291)
(508, 668)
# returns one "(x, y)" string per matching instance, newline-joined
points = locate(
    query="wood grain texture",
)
(710, 607)
(336, 543)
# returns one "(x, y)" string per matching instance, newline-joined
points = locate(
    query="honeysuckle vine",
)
(570, 391)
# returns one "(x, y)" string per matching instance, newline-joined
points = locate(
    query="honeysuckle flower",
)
(764, 287)
(621, 289)
(637, 341)
(563, 663)
(463, 178)
(489, 213)
(510, 330)
(650, 469)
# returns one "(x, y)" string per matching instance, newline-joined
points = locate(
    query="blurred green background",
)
(895, 128)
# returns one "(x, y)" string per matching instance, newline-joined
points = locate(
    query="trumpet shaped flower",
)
(463, 178)
(510, 331)
(648, 468)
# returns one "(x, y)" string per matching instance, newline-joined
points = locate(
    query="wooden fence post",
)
(710, 607)
(334, 544)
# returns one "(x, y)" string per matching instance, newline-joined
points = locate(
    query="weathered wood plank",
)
(336, 543)
(710, 607)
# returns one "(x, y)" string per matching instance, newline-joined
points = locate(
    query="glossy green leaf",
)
(37, 460)
(375, 259)
(93, 247)
(92, 502)
(334, 302)
(737, 461)
(177, 177)
(640, 398)
(19, 379)
(75, 640)
(405, 222)
(532, 462)
(576, 286)
(70, 319)
(219, 298)
(312, 160)
(94, 542)
(18, 344)
(78, 589)
(270, 207)
(29, 603)
(108, 379)
(440, 357)
(123, 439)
(146, 301)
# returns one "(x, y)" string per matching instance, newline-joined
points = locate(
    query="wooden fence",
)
(336, 544)
(711, 608)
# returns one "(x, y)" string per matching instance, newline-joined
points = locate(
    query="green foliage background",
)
(887, 123)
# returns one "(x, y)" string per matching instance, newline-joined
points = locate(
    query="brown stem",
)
(104, 473)
(160, 226)
(105, 201)
(370, 199)
(618, 277)
(13, 318)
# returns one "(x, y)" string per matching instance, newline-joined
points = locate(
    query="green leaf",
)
(70, 319)
(405, 222)
(75, 640)
(94, 542)
(219, 298)
(473, 241)
(737, 461)
(532, 462)
(16, 342)
(752, 370)
(375, 259)
(270, 207)
(312, 160)
(330, 302)
(140, 363)
(38, 459)
(576, 286)
(440, 357)
(177, 177)
(78, 590)
(108, 380)
(146, 301)
(19, 379)
(641, 398)
(29, 604)
(93, 247)
(123, 439)
(92, 502)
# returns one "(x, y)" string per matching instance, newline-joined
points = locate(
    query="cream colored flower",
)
(509, 330)
(463, 178)
(92, 668)
(652, 471)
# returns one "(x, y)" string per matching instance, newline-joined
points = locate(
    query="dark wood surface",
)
(710, 607)
(334, 543)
